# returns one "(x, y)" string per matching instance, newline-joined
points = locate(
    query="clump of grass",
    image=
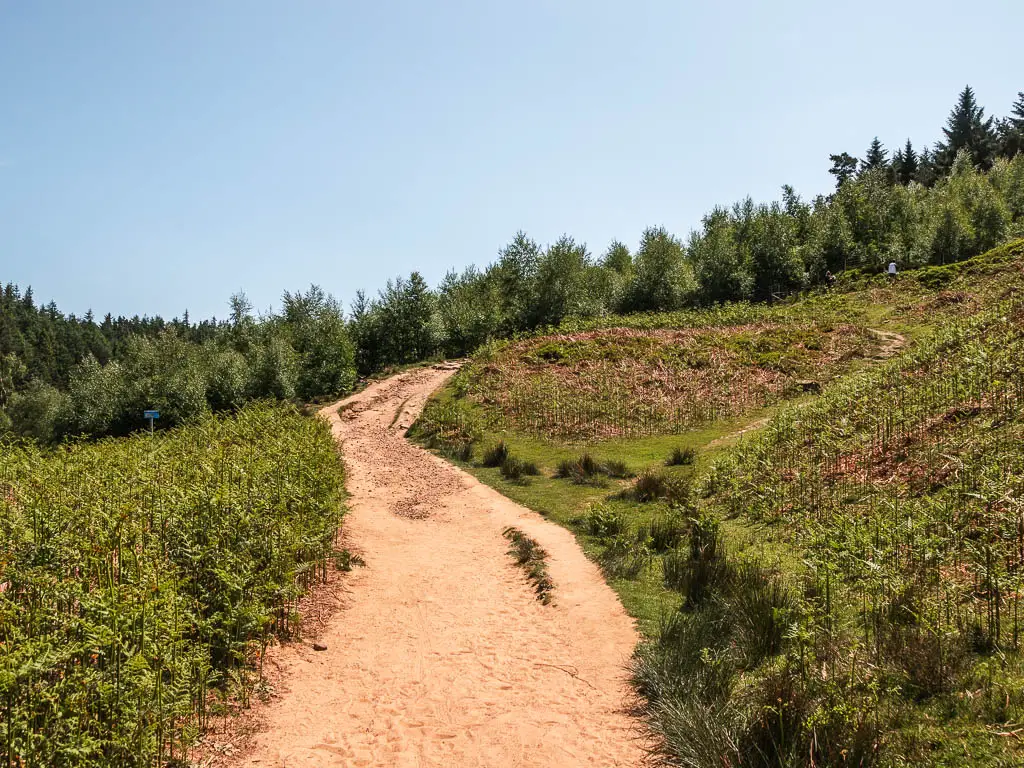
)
(531, 557)
(649, 486)
(617, 469)
(516, 469)
(585, 469)
(681, 457)
(495, 456)
(460, 452)
(664, 533)
(655, 486)
(581, 470)
(625, 556)
(707, 568)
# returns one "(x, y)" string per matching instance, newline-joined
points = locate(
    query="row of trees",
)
(66, 375)
(985, 139)
(746, 251)
(181, 369)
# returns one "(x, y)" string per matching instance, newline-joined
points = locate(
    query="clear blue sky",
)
(158, 156)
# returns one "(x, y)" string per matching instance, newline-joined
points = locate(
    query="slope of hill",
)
(838, 587)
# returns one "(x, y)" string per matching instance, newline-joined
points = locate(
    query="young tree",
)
(829, 244)
(618, 258)
(367, 334)
(315, 326)
(722, 268)
(967, 128)
(240, 320)
(515, 273)
(661, 279)
(469, 310)
(844, 167)
(773, 252)
(406, 313)
(560, 286)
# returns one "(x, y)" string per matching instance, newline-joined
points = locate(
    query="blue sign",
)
(151, 414)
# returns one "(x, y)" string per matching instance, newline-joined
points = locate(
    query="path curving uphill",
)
(443, 656)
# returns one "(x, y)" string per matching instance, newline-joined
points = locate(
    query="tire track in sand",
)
(443, 656)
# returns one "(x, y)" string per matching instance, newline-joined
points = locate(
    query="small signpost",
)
(151, 415)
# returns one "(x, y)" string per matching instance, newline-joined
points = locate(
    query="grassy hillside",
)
(139, 577)
(822, 579)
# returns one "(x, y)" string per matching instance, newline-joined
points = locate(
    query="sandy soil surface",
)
(443, 656)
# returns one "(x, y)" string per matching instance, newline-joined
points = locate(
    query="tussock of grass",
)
(344, 560)
(585, 469)
(665, 532)
(516, 469)
(616, 469)
(651, 485)
(496, 455)
(532, 558)
(681, 457)
(625, 556)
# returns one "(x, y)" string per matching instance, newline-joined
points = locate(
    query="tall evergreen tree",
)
(927, 169)
(876, 157)
(967, 128)
(905, 164)
(1011, 129)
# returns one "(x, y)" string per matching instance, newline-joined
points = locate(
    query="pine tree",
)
(967, 128)
(927, 172)
(844, 167)
(905, 164)
(1011, 129)
(877, 157)
(1017, 112)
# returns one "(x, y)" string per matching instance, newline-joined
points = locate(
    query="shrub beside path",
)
(443, 655)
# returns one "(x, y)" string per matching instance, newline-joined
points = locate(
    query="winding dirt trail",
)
(443, 657)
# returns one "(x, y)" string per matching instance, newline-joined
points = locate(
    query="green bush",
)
(36, 412)
(603, 522)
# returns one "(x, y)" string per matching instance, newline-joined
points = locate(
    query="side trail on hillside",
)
(889, 345)
(443, 656)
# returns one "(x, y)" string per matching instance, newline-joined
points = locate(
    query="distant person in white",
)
(892, 270)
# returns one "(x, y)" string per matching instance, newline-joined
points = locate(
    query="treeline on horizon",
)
(63, 375)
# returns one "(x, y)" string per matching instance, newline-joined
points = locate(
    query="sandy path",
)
(443, 656)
